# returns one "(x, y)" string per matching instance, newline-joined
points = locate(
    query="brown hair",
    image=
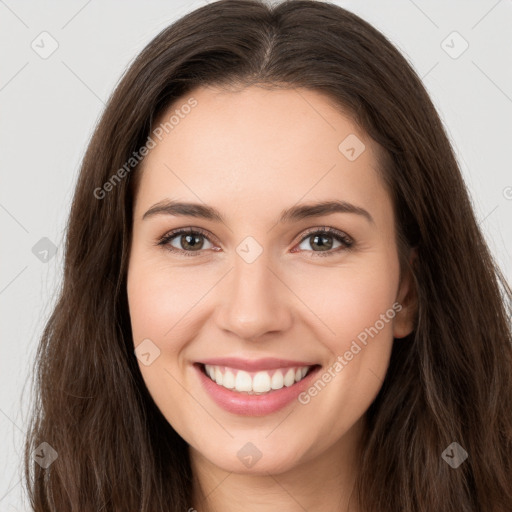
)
(449, 381)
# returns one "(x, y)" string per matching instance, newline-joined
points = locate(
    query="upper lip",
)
(254, 365)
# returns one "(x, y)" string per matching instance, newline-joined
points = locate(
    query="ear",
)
(408, 298)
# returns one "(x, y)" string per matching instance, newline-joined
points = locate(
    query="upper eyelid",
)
(180, 231)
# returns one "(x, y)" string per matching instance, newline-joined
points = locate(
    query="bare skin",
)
(251, 154)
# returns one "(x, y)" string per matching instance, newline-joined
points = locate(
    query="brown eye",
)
(322, 241)
(190, 241)
(185, 241)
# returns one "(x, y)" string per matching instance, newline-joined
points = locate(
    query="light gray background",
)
(49, 108)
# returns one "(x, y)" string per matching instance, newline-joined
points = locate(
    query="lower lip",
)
(253, 405)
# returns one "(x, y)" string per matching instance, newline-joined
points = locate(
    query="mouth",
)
(261, 388)
(262, 382)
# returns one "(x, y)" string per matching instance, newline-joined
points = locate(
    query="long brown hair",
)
(449, 381)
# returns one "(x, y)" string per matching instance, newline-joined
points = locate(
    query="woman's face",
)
(265, 297)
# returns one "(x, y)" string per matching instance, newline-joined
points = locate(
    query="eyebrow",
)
(293, 214)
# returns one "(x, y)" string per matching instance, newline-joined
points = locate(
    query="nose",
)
(257, 301)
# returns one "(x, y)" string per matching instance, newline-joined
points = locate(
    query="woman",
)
(276, 293)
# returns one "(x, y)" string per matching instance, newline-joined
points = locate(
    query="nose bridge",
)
(254, 304)
(251, 279)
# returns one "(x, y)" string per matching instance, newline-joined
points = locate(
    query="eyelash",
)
(346, 241)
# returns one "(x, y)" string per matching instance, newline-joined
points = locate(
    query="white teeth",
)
(289, 378)
(210, 371)
(277, 381)
(255, 383)
(243, 381)
(261, 382)
(228, 381)
(218, 376)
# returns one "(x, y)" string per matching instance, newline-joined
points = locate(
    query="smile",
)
(254, 388)
(255, 383)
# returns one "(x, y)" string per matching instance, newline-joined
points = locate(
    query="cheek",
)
(346, 301)
(159, 300)
(355, 305)
(158, 304)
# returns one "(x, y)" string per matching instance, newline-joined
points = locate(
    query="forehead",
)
(253, 148)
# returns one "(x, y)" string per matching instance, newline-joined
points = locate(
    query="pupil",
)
(324, 246)
(187, 240)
